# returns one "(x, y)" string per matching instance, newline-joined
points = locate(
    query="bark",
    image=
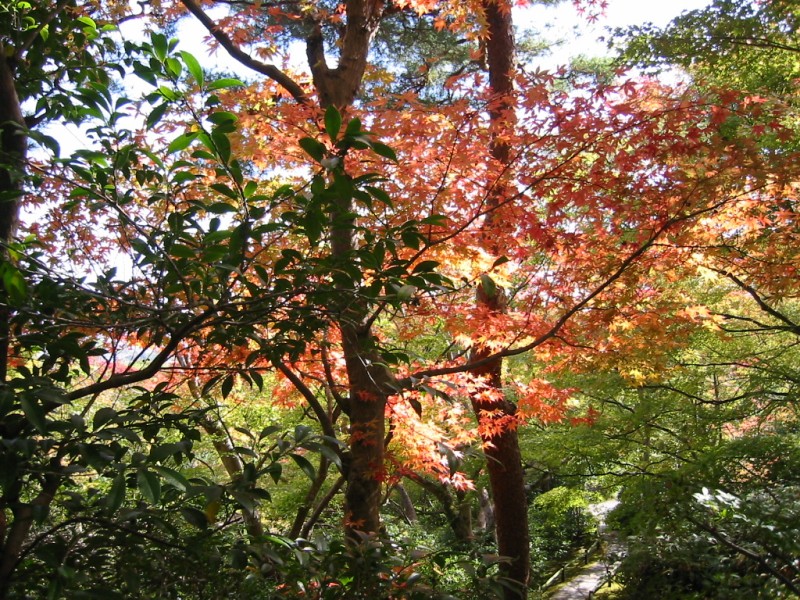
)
(13, 149)
(506, 475)
(321, 506)
(23, 514)
(370, 383)
(504, 459)
(311, 495)
(370, 386)
(338, 86)
(485, 511)
(406, 504)
(234, 467)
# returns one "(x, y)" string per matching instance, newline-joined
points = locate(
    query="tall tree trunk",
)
(370, 382)
(13, 149)
(504, 460)
(370, 386)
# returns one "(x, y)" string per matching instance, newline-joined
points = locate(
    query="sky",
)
(556, 23)
(563, 23)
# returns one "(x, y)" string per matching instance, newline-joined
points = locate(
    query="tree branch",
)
(271, 71)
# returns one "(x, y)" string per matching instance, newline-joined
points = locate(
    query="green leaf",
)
(225, 82)
(194, 67)
(156, 114)
(304, 465)
(500, 261)
(103, 416)
(331, 455)
(384, 150)
(353, 127)
(220, 208)
(379, 195)
(181, 142)
(224, 190)
(174, 478)
(159, 41)
(181, 251)
(489, 286)
(87, 22)
(34, 413)
(227, 386)
(14, 284)
(301, 432)
(313, 148)
(195, 516)
(116, 495)
(149, 485)
(174, 67)
(333, 122)
(222, 116)
(222, 145)
(410, 238)
(426, 265)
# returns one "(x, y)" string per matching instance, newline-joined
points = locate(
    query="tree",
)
(716, 42)
(268, 229)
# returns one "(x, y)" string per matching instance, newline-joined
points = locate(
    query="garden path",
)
(593, 574)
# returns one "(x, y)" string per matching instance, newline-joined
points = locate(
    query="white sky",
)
(579, 36)
(560, 23)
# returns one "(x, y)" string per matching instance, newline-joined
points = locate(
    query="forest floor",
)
(584, 583)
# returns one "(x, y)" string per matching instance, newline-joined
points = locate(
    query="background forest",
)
(383, 316)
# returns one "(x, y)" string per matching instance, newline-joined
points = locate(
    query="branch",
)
(271, 71)
(793, 327)
(323, 504)
(319, 411)
(122, 379)
(723, 539)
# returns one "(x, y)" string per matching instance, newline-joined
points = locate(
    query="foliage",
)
(220, 244)
(560, 522)
(751, 45)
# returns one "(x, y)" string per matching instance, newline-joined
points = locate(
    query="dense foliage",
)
(341, 330)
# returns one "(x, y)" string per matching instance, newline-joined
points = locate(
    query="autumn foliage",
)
(327, 243)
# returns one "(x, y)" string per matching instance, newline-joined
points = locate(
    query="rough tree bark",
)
(13, 149)
(504, 460)
(370, 382)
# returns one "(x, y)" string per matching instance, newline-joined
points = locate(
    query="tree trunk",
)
(506, 475)
(457, 512)
(369, 390)
(504, 459)
(13, 149)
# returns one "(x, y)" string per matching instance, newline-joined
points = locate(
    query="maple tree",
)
(293, 227)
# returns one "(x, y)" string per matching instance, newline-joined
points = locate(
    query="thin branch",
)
(305, 391)
(793, 327)
(271, 71)
(123, 379)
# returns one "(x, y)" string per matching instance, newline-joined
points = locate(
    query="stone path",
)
(587, 580)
